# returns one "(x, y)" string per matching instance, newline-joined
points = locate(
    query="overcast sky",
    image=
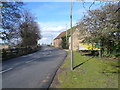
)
(52, 17)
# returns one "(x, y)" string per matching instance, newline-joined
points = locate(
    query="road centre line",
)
(24, 56)
(29, 61)
(12, 68)
(6, 70)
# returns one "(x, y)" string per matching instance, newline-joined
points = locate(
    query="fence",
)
(12, 53)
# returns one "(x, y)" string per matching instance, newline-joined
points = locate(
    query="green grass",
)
(92, 73)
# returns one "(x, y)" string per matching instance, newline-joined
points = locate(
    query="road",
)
(34, 70)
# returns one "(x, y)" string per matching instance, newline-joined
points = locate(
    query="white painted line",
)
(24, 56)
(45, 81)
(48, 77)
(6, 70)
(29, 61)
(30, 54)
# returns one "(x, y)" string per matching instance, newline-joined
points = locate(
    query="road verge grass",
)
(89, 72)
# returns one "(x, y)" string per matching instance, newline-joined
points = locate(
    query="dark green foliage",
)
(64, 42)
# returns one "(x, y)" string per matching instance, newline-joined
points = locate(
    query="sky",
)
(54, 17)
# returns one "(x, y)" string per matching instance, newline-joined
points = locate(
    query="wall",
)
(75, 41)
(57, 43)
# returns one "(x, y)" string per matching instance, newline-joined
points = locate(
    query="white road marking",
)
(45, 81)
(6, 70)
(29, 61)
(48, 77)
(24, 56)
(30, 54)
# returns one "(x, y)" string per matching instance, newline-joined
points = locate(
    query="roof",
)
(64, 33)
(60, 35)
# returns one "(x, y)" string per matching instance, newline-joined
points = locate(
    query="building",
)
(57, 42)
(78, 36)
(75, 40)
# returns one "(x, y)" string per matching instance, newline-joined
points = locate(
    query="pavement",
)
(35, 70)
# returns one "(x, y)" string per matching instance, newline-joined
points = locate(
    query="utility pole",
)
(66, 35)
(71, 49)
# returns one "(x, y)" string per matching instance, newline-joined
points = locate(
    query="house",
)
(78, 36)
(60, 40)
(75, 40)
(57, 42)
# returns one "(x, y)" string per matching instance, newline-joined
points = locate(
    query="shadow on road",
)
(82, 63)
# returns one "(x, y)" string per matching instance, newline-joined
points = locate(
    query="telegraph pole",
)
(71, 49)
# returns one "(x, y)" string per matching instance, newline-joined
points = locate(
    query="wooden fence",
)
(12, 53)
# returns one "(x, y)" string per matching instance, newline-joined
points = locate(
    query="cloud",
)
(61, 0)
(1, 40)
(55, 24)
(52, 24)
(44, 38)
(50, 30)
(48, 36)
(58, 28)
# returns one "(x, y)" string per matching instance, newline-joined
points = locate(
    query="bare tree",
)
(103, 25)
(30, 31)
(11, 19)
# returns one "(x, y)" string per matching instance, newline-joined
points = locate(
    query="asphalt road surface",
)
(34, 70)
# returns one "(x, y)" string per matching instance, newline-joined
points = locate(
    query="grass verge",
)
(89, 72)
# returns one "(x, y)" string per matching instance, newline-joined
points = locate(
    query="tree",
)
(103, 25)
(11, 19)
(30, 32)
